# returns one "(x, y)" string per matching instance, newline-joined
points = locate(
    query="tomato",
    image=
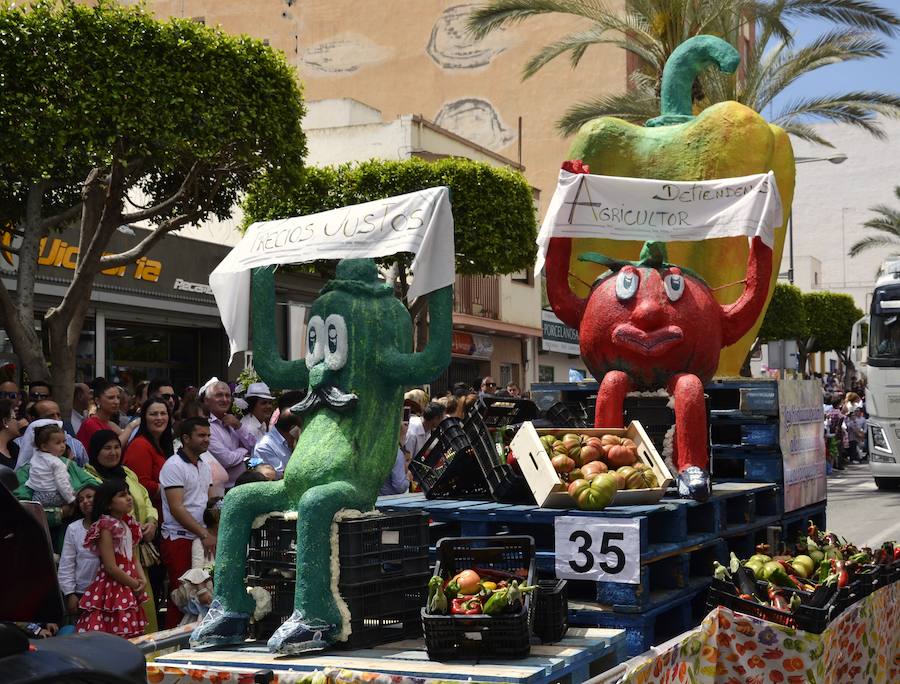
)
(619, 456)
(596, 494)
(469, 582)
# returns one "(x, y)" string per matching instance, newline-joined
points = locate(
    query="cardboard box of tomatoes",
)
(590, 468)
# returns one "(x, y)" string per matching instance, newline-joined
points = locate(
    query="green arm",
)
(278, 373)
(420, 367)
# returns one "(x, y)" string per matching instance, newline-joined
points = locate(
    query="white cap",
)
(258, 389)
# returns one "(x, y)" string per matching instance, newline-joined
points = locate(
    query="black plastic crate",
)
(446, 466)
(389, 546)
(561, 415)
(370, 548)
(453, 637)
(806, 618)
(498, 411)
(380, 612)
(551, 610)
(505, 481)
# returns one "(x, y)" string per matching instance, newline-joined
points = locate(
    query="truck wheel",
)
(887, 482)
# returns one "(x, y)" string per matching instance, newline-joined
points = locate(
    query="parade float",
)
(538, 551)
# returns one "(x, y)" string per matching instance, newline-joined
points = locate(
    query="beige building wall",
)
(414, 56)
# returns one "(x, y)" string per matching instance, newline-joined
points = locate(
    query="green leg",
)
(242, 506)
(316, 621)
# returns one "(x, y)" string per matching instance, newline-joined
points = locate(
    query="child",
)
(49, 476)
(199, 559)
(112, 603)
(193, 595)
(77, 565)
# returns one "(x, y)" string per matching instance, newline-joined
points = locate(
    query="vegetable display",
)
(595, 468)
(820, 568)
(478, 591)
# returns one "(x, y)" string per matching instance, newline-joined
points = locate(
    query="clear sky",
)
(867, 74)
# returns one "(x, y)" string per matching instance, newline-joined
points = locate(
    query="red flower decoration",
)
(776, 676)
(756, 662)
(773, 654)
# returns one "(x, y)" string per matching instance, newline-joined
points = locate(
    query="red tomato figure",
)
(651, 325)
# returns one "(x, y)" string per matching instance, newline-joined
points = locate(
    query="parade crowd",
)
(131, 484)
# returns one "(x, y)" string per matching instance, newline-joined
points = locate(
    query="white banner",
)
(588, 206)
(420, 222)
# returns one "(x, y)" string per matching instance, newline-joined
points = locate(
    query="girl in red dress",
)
(112, 603)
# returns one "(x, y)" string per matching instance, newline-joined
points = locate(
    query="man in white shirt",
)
(186, 481)
(81, 402)
(276, 446)
(420, 428)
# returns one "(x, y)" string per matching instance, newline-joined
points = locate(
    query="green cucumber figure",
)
(359, 360)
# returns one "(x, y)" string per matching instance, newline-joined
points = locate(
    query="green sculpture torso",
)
(358, 363)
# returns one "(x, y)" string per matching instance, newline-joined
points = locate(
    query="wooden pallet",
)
(582, 654)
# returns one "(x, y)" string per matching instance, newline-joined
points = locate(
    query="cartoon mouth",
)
(653, 343)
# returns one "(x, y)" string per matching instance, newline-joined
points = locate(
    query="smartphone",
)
(406, 414)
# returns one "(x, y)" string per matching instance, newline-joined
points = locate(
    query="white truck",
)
(883, 373)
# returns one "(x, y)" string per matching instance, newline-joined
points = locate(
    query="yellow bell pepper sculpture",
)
(725, 140)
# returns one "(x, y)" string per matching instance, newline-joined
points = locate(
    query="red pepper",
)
(779, 602)
(897, 553)
(812, 530)
(467, 605)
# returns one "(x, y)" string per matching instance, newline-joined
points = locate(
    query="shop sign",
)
(472, 346)
(556, 336)
(802, 442)
(597, 549)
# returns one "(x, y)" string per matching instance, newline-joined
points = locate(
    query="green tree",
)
(830, 316)
(108, 118)
(785, 318)
(652, 29)
(887, 226)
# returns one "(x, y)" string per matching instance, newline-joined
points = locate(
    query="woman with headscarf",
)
(105, 462)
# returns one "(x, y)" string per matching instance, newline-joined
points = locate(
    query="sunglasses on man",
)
(9, 395)
(38, 396)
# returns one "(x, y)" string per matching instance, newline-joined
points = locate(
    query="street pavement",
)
(859, 511)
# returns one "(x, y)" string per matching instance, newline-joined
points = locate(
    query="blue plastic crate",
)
(759, 434)
(763, 469)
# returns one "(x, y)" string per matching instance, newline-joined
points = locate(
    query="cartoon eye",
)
(336, 356)
(315, 341)
(674, 286)
(626, 284)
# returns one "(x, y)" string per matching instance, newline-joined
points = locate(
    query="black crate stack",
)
(383, 578)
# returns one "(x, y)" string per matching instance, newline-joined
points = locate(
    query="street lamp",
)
(836, 158)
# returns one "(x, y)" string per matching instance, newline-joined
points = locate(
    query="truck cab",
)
(883, 371)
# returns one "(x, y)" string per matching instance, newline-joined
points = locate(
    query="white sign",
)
(419, 222)
(557, 336)
(589, 206)
(802, 442)
(598, 549)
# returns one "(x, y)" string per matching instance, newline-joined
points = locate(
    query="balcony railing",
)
(477, 296)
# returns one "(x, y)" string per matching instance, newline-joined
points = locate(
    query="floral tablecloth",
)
(168, 674)
(862, 645)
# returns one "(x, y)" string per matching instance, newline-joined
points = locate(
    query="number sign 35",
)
(590, 548)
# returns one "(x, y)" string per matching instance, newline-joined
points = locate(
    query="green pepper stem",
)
(682, 68)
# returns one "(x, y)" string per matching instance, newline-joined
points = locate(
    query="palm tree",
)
(652, 29)
(888, 224)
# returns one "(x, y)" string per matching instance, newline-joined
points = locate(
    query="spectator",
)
(77, 565)
(127, 410)
(49, 476)
(418, 398)
(277, 444)
(835, 432)
(10, 390)
(420, 428)
(48, 409)
(488, 385)
(9, 432)
(513, 389)
(267, 471)
(106, 464)
(149, 450)
(397, 481)
(141, 393)
(250, 476)
(857, 427)
(162, 389)
(107, 398)
(260, 405)
(186, 481)
(229, 441)
(38, 390)
(112, 602)
(81, 402)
